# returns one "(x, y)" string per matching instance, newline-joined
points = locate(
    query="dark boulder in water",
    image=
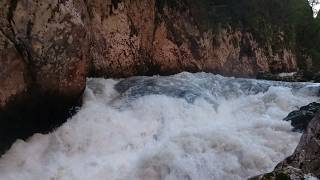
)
(302, 117)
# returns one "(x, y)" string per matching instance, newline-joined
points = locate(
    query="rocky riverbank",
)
(305, 162)
(300, 76)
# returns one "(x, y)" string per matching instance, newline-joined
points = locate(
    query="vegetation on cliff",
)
(312, 41)
(271, 22)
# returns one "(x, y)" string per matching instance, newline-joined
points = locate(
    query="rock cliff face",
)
(49, 47)
(44, 59)
(150, 37)
(14, 75)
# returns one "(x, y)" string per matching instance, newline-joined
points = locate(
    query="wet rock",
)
(31, 113)
(305, 161)
(287, 173)
(301, 118)
(307, 155)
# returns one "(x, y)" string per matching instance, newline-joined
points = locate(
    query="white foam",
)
(315, 7)
(157, 136)
(287, 74)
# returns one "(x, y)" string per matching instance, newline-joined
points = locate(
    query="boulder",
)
(301, 118)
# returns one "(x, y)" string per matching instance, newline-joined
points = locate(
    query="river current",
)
(182, 127)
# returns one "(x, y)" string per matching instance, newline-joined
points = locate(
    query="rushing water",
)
(183, 127)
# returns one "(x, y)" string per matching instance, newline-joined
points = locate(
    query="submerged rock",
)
(301, 118)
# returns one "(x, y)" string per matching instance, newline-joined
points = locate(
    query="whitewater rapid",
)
(182, 127)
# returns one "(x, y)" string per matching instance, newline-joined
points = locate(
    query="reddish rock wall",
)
(49, 47)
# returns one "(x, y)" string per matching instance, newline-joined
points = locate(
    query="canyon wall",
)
(150, 37)
(49, 47)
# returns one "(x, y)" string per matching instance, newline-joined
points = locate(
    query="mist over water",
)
(182, 127)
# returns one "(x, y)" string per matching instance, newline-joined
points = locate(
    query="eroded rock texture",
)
(150, 37)
(13, 79)
(48, 47)
(43, 49)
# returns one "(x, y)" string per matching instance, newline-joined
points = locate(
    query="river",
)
(183, 127)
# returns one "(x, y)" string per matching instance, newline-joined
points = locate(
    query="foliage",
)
(271, 21)
(265, 18)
